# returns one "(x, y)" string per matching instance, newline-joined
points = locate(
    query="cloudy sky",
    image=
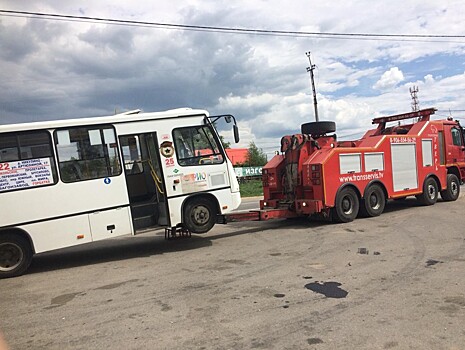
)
(54, 69)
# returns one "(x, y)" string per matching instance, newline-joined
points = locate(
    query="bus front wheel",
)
(199, 215)
(15, 255)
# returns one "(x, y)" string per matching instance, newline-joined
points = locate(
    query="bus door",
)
(144, 178)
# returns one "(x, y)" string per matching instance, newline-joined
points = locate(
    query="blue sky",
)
(53, 69)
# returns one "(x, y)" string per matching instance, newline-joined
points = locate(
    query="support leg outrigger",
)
(177, 232)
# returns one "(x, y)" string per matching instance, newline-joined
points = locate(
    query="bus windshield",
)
(197, 146)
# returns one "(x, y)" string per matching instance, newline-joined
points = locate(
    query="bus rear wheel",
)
(199, 215)
(15, 255)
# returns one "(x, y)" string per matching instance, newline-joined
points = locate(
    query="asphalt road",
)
(285, 284)
(250, 203)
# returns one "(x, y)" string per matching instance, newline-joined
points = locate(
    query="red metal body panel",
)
(317, 175)
(269, 214)
(253, 215)
(260, 215)
(306, 179)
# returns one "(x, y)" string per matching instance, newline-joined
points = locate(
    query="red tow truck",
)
(317, 174)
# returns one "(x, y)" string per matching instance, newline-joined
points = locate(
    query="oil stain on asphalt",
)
(328, 289)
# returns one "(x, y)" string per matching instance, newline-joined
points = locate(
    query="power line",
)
(357, 36)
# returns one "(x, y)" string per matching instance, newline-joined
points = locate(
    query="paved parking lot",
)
(392, 282)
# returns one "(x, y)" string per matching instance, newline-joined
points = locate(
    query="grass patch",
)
(251, 188)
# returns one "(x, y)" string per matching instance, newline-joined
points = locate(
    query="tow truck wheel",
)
(373, 202)
(452, 192)
(199, 215)
(15, 255)
(318, 128)
(430, 192)
(346, 206)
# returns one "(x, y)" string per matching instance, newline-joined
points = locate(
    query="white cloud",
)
(429, 79)
(389, 79)
(69, 69)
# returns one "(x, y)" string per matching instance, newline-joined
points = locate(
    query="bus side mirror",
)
(228, 119)
(236, 133)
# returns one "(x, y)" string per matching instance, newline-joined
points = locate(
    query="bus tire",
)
(373, 202)
(15, 255)
(346, 206)
(199, 215)
(429, 196)
(452, 192)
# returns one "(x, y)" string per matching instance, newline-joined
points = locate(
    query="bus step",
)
(144, 221)
(144, 209)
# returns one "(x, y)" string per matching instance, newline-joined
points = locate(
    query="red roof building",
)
(237, 155)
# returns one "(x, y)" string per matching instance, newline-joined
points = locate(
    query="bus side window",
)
(132, 155)
(86, 153)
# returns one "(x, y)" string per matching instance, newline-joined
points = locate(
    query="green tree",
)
(255, 156)
(202, 141)
(226, 144)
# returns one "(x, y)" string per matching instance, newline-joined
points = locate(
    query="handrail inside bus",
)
(155, 177)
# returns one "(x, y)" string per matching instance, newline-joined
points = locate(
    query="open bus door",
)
(144, 178)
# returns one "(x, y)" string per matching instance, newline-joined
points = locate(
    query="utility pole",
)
(415, 104)
(310, 70)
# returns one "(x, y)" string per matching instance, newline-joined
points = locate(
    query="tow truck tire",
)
(318, 128)
(373, 202)
(452, 192)
(199, 215)
(430, 192)
(346, 206)
(15, 255)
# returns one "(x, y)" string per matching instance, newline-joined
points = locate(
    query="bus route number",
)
(4, 166)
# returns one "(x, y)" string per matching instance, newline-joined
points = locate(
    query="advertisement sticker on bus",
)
(25, 173)
(194, 182)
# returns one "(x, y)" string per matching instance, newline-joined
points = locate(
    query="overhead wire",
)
(237, 30)
(429, 38)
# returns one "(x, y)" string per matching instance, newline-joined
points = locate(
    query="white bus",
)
(68, 182)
